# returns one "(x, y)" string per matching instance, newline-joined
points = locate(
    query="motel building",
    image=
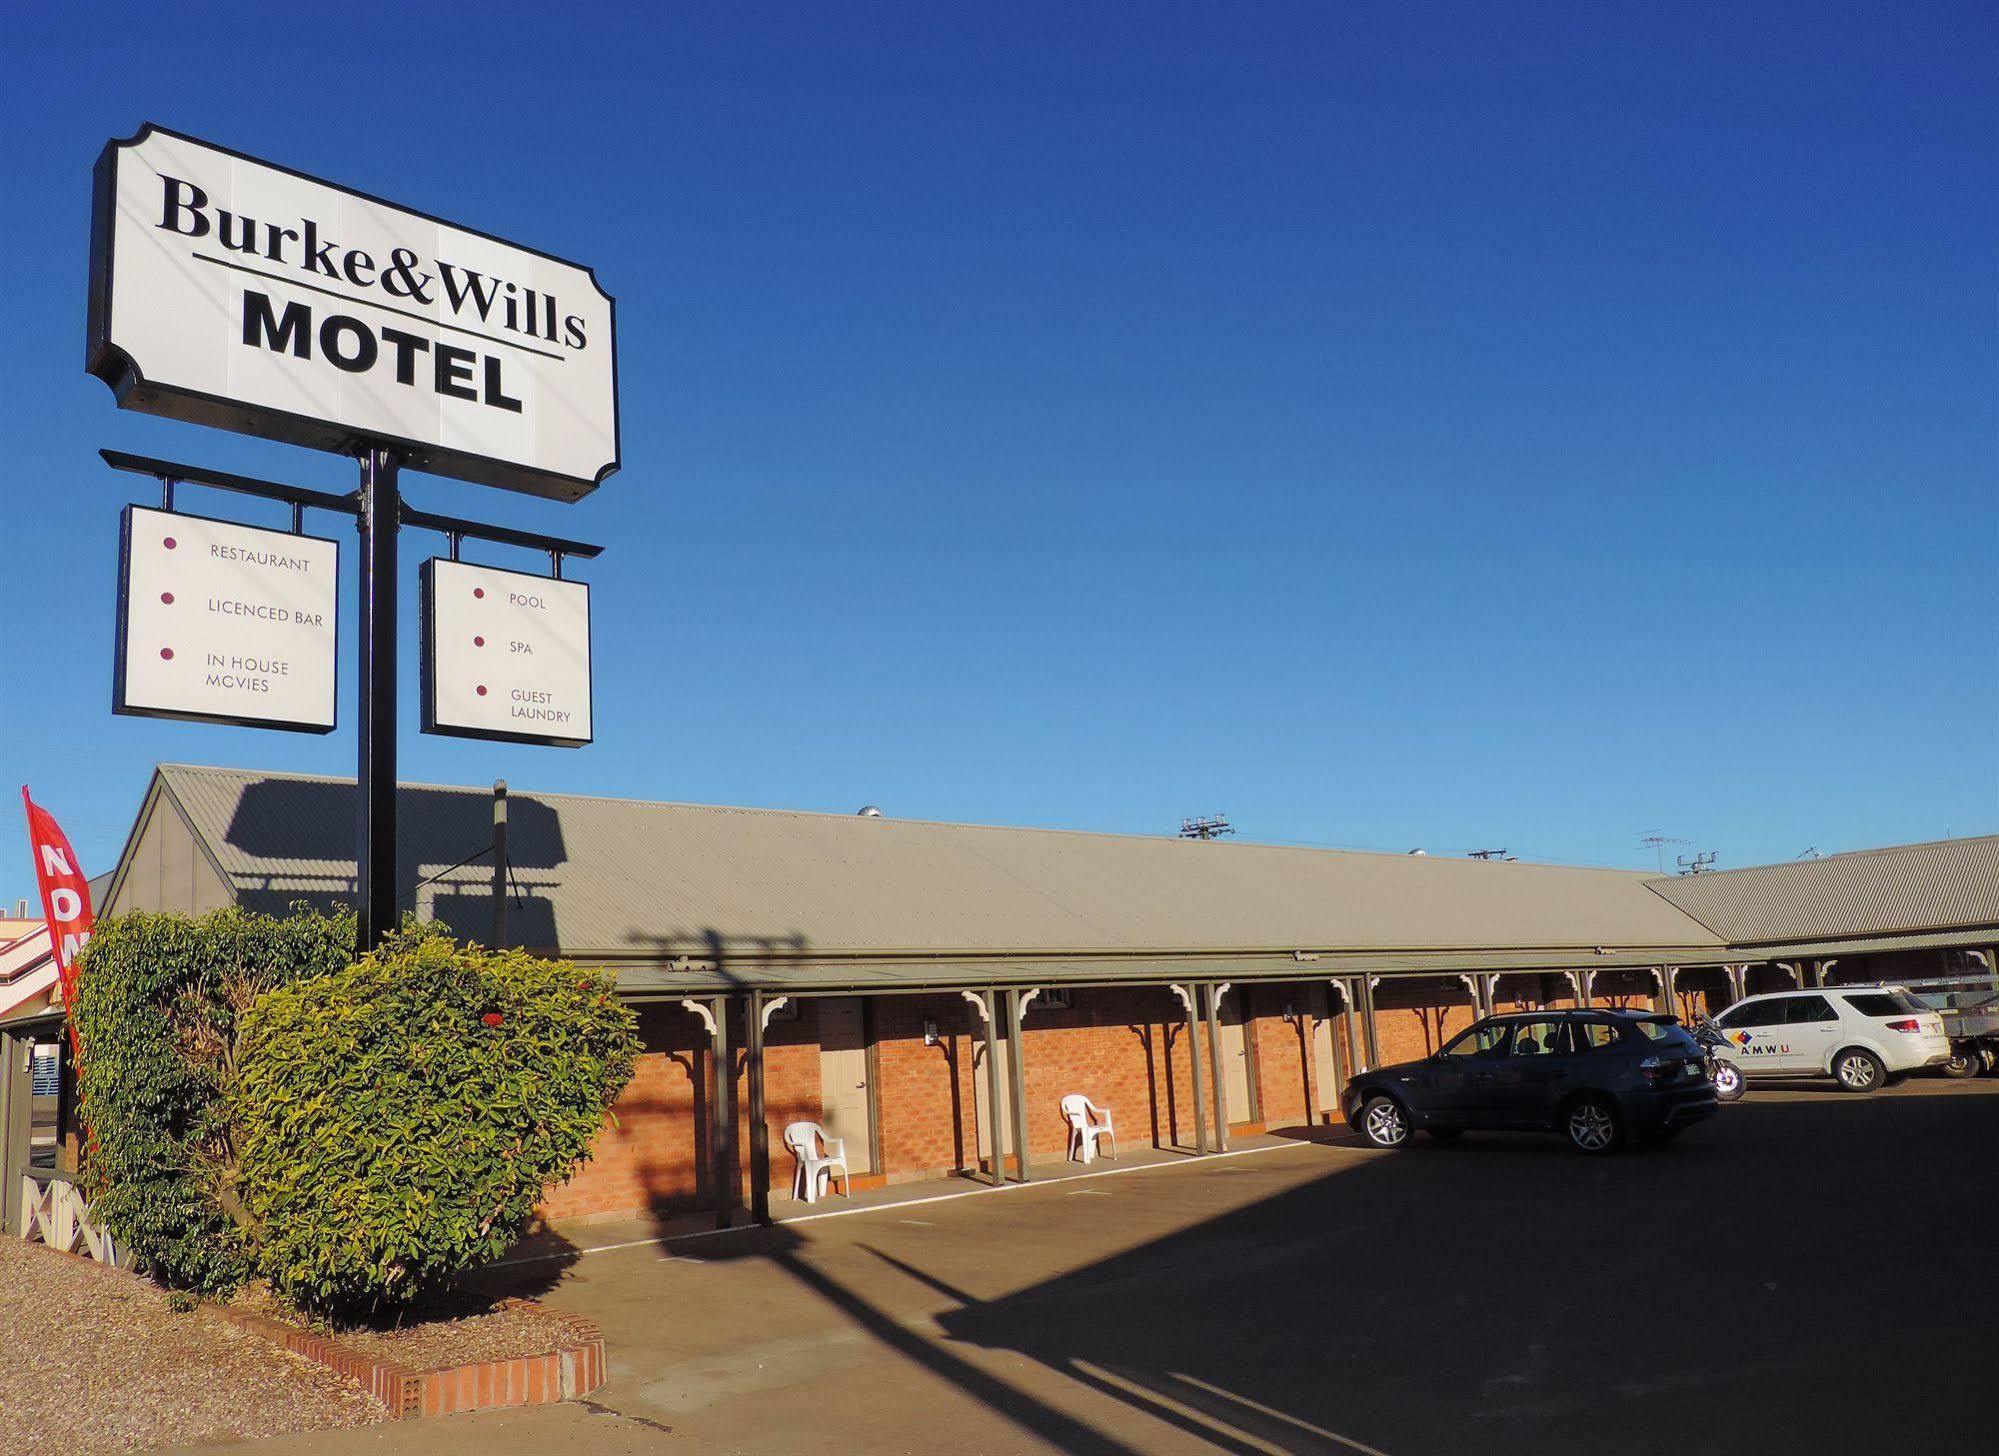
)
(930, 992)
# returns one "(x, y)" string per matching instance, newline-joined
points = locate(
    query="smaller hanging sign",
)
(225, 623)
(506, 654)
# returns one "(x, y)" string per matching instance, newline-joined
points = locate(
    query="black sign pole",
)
(379, 513)
(375, 780)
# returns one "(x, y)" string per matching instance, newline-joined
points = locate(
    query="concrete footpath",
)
(1763, 1284)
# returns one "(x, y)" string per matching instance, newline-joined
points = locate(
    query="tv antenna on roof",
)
(1211, 826)
(1696, 865)
(1489, 854)
(1653, 840)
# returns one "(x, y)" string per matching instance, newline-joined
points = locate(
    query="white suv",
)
(1860, 1036)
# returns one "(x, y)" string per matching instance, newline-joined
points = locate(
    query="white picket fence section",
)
(53, 1210)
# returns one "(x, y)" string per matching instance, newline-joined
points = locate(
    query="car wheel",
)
(1446, 1134)
(1592, 1126)
(1729, 1084)
(1964, 1062)
(1383, 1122)
(1858, 1070)
(1991, 1060)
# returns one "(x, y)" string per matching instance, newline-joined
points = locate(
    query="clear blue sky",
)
(1392, 425)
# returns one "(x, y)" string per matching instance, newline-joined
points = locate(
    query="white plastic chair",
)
(1087, 1124)
(803, 1141)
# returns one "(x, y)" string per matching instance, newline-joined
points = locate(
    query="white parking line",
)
(1194, 1161)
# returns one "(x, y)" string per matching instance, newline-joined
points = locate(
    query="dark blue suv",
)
(1596, 1077)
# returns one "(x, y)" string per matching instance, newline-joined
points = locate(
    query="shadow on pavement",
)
(1790, 1276)
(1747, 1288)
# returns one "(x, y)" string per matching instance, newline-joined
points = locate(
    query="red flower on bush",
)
(493, 1018)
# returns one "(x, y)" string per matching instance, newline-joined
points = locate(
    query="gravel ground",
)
(500, 1334)
(465, 1333)
(92, 1360)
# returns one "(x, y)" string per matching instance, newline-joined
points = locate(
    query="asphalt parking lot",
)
(1809, 1272)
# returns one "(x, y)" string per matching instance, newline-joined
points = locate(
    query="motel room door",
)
(1235, 1058)
(846, 1089)
(1327, 1053)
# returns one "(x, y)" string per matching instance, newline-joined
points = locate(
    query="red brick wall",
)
(652, 1156)
(1111, 1046)
(1624, 990)
(647, 1157)
(1415, 1016)
(924, 1104)
(1281, 1051)
(1701, 992)
(1126, 1049)
(791, 1088)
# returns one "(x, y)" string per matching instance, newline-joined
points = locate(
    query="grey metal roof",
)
(617, 878)
(1970, 938)
(914, 973)
(1907, 887)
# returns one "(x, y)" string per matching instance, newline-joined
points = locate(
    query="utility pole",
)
(1211, 826)
(499, 864)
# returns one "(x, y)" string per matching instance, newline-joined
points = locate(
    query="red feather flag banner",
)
(65, 903)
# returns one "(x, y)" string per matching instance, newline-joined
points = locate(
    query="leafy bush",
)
(157, 1013)
(397, 1121)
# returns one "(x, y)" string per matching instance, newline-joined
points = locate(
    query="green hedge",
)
(159, 1000)
(397, 1121)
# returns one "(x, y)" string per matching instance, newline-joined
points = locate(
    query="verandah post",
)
(1017, 1078)
(753, 1038)
(1187, 1000)
(726, 1183)
(994, 1140)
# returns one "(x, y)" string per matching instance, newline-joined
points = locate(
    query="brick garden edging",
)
(576, 1368)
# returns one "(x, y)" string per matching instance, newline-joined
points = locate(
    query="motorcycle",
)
(1729, 1083)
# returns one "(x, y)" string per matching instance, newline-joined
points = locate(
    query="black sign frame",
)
(426, 647)
(121, 631)
(134, 391)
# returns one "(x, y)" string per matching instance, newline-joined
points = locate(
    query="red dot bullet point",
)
(482, 686)
(168, 654)
(478, 641)
(171, 543)
(477, 591)
(167, 597)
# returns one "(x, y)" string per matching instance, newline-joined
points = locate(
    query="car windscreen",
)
(1669, 1035)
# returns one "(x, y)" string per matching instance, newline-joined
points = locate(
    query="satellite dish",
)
(868, 811)
(1424, 852)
